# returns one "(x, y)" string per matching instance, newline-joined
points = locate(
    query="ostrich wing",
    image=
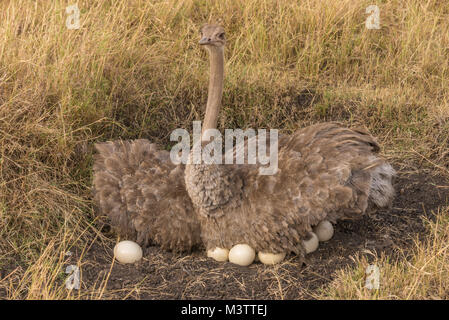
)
(143, 194)
(324, 173)
(331, 167)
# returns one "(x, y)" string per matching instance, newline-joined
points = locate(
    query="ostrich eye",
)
(221, 36)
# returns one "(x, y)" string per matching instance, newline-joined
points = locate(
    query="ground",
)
(163, 275)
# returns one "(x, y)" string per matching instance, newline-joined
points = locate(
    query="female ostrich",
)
(325, 171)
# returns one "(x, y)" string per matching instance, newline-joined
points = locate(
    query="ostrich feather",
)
(326, 171)
(143, 194)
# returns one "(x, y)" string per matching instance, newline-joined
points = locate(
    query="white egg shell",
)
(127, 252)
(270, 258)
(311, 243)
(242, 254)
(218, 254)
(324, 230)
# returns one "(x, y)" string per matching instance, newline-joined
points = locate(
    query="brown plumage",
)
(325, 171)
(143, 193)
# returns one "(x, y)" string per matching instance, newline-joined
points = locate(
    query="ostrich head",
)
(212, 36)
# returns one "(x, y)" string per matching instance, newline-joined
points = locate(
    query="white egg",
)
(219, 254)
(324, 230)
(311, 243)
(270, 258)
(127, 252)
(242, 254)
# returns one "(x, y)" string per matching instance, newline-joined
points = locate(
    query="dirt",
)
(163, 275)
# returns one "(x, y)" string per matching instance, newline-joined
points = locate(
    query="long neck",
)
(213, 187)
(216, 55)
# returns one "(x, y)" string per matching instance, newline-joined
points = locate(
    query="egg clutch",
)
(240, 254)
(244, 255)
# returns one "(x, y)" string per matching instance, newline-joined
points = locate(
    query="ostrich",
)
(325, 172)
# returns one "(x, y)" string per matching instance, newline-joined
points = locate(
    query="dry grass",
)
(421, 274)
(133, 70)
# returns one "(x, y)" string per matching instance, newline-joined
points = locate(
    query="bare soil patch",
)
(163, 275)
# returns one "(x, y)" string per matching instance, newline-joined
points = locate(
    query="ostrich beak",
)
(204, 41)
